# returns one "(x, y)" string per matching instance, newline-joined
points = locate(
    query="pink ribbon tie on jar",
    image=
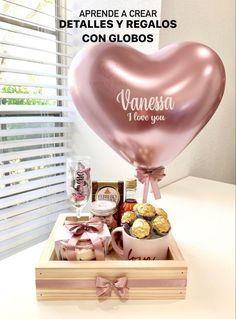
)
(94, 225)
(91, 227)
(109, 220)
(104, 287)
(150, 176)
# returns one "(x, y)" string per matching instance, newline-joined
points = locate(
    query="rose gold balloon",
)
(148, 108)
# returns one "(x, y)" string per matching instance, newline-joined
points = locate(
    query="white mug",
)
(140, 249)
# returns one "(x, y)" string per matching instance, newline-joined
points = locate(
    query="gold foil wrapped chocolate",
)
(140, 228)
(161, 212)
(135, 208)
(128, 217)
(161, 225)
(146, 211)
(146, 221)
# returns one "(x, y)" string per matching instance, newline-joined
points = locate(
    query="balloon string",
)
(145, 189)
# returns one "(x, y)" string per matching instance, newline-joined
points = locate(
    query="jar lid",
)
(131, 183)
(103, 207)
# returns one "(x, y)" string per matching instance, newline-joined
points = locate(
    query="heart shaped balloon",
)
(148, 108)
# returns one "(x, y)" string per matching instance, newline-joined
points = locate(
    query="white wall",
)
(211, 154)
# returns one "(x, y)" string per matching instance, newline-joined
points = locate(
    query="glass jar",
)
(105, 210)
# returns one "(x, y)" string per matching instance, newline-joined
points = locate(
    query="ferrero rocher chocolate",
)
(146, 211)
(161, 225)
(161, 212)
(140, 228)
(136, 206)
(128, 217)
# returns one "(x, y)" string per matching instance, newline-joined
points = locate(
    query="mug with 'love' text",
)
(140, 249)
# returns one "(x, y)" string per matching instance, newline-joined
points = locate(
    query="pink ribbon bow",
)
(94, 225)
(104, 287)
(109, 220)
(150, 176)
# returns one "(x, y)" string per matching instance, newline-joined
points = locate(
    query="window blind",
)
(35, 120)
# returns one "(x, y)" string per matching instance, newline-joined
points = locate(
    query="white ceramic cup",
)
(140, 249)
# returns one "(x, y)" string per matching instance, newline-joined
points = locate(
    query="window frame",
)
(58, 200)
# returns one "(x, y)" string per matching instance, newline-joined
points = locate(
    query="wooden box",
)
(75, 280)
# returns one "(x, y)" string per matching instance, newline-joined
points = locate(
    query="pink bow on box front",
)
(104, 287)
(152, 176)
(91, 227)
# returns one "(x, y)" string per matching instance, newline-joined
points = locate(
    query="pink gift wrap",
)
(84, 249)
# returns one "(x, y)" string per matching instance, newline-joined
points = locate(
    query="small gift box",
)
(82, 240)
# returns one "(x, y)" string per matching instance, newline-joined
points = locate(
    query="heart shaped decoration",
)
(148, 108)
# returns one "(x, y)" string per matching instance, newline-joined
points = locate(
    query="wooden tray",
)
(160, 279)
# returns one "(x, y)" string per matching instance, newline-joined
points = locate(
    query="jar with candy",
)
(105, 210)
(130, 196)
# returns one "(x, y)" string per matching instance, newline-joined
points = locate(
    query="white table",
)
(202, 216)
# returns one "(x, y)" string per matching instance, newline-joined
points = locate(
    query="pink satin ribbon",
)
(94, 225)
(109, 220)
(150, 176)
(104, 287)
